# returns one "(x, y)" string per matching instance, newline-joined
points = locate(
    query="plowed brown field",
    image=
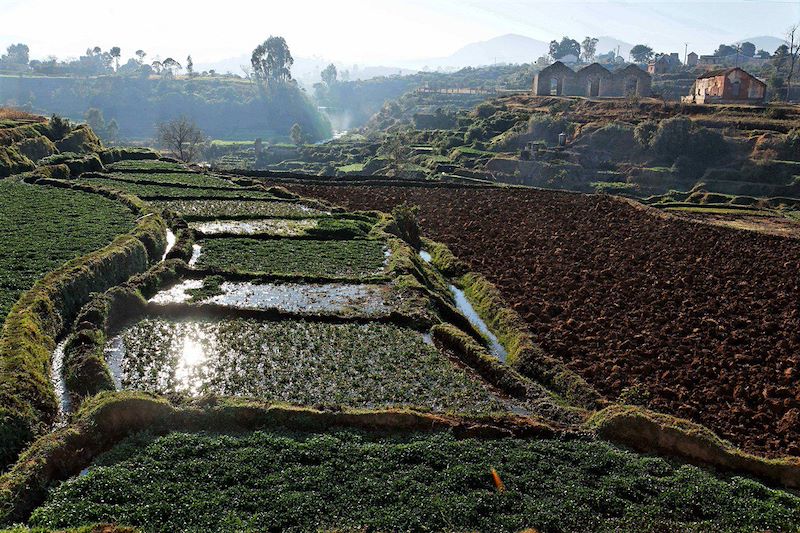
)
(704, 321)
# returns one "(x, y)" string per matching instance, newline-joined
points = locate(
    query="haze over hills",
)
(509, 48)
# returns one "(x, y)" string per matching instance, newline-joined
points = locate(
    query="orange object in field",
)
(501, 487)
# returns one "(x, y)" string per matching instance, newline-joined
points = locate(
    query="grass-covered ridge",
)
(354, 258)
(304, 363)
(44, 227)
(343, 480)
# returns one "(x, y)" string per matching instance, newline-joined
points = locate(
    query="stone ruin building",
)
(594, 81)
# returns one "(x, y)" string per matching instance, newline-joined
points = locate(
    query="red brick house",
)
(727, 86)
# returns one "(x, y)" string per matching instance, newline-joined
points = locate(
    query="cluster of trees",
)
(95, 62)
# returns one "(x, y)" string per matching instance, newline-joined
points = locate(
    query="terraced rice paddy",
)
(305, 363)
(147, 165)
(145, 191)
(350, 481)
(42, 228)
(275, 227)
(343, 259)
(298, 298)
(210, 209)
(174, 178)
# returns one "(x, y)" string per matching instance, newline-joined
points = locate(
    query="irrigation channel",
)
(266, 311)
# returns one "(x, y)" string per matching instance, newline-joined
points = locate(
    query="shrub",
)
(791, 145)
(406, 218)
(680, 136)
(644, 132)
(547, 128)
(614, 136)
(485, 110)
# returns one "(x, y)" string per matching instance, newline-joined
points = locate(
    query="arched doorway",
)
(593, 88)
(631, 86)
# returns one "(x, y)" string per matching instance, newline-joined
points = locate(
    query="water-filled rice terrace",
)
(279, 363)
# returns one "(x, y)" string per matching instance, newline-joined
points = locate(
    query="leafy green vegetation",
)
(183, 178)
(165, 191)
(44, 227)
(307, 363)
(211, 209)
(349, 480)
(288, 256)
(146, 165)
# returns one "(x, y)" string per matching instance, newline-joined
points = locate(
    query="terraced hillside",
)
(686, 318)
(278, 363)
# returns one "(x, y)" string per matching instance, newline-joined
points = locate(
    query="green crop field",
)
(304, 257)
(349, 481)
(210, 209)
(147, 164)
(166, 191)
(300, 362)
(41, 228)
(175, 178)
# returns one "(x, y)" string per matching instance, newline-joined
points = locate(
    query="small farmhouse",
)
(727, 86)
(592, 81)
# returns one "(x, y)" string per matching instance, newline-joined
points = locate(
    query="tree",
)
(94, 118)
(748, 49)
(329, 75)
(296, 133)
(182, 138)
(763, 54)
(17, 56)
(792, 51)
(564, 48)
(157, 66)
(141, 54)
(588, 49)
(725, 50)
(641, 53)
(272, 61)
(112, 131)
(170, 65)
(115, 52)
(189, 66)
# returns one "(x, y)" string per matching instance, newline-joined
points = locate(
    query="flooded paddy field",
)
(210, 209)
(301, 362)
(275, 227)
(352, 259)
(338, 299)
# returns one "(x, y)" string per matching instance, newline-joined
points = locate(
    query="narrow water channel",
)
(465, 307)
(59, 384)
(170, 244)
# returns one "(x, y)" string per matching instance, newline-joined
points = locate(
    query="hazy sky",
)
(372, 31)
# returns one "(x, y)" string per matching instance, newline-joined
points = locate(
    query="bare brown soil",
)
(699, 321)
(770, 225)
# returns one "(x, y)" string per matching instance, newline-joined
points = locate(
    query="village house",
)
(692, 59)
(727, 86)
(664, 64)
(592, 81)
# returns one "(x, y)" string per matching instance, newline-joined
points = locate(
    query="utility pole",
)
(685, 54)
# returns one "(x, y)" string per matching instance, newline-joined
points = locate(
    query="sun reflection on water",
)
(191, 363)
